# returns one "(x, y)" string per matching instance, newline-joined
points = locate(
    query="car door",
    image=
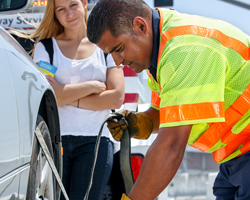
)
(9, 132)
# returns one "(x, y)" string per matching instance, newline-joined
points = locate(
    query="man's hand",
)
(139, 125)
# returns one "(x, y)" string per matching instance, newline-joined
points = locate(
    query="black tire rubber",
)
(31, 190)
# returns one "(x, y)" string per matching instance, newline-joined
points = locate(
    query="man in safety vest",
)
(199, 74)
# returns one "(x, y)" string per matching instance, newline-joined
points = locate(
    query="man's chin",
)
(136, 70)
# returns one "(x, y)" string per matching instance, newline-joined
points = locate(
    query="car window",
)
(11, 4)
(15, 5)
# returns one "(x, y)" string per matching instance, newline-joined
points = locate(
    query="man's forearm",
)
(160, 164)
(157, 172)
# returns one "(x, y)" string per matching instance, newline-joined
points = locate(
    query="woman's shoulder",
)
(98, 50)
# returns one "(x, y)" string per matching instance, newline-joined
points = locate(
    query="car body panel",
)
(23, 180)
(9, 187)
(9, 158)
(29, 91)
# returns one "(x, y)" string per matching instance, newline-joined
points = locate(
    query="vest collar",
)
(156, 42)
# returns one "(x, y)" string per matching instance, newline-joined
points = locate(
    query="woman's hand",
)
(70, 93)
(98, 86)
(51, 80)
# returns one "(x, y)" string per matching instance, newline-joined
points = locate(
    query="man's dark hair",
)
(116, 16)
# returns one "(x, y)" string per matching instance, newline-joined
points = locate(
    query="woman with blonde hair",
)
(50, 26)
(87, 85)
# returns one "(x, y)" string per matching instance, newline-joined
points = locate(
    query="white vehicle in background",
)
(28, 20)
(27, 102)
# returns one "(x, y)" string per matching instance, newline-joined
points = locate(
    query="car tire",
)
(41, 183)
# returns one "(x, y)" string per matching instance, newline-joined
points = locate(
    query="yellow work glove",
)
(140, 126)
(125, 197)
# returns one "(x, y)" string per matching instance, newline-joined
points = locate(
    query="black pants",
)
(78, 155)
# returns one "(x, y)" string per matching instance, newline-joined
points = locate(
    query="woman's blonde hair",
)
(49, 26)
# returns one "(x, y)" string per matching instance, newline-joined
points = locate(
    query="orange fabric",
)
(161, 18)
(155, 99)
(221, 130)
(242, 104)
(226, 41)
(163, 41)
(191, 112)
(233, 141)
(149, 74)
(216, 131)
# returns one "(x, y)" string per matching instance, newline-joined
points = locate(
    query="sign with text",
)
(27, 20)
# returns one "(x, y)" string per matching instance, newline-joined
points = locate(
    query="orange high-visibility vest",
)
(223, 131)
(219, 138)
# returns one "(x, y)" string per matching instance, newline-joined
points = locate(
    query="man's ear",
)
(140, 25)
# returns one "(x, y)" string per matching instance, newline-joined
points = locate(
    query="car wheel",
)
(41, 183)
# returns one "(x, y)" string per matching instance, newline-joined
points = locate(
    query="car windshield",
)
(8, 5)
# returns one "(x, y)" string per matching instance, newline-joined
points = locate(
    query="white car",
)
(27, 102)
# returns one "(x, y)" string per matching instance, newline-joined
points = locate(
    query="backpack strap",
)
(105, 56)
(48, 44)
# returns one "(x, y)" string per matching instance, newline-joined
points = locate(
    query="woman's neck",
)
(76, 34)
